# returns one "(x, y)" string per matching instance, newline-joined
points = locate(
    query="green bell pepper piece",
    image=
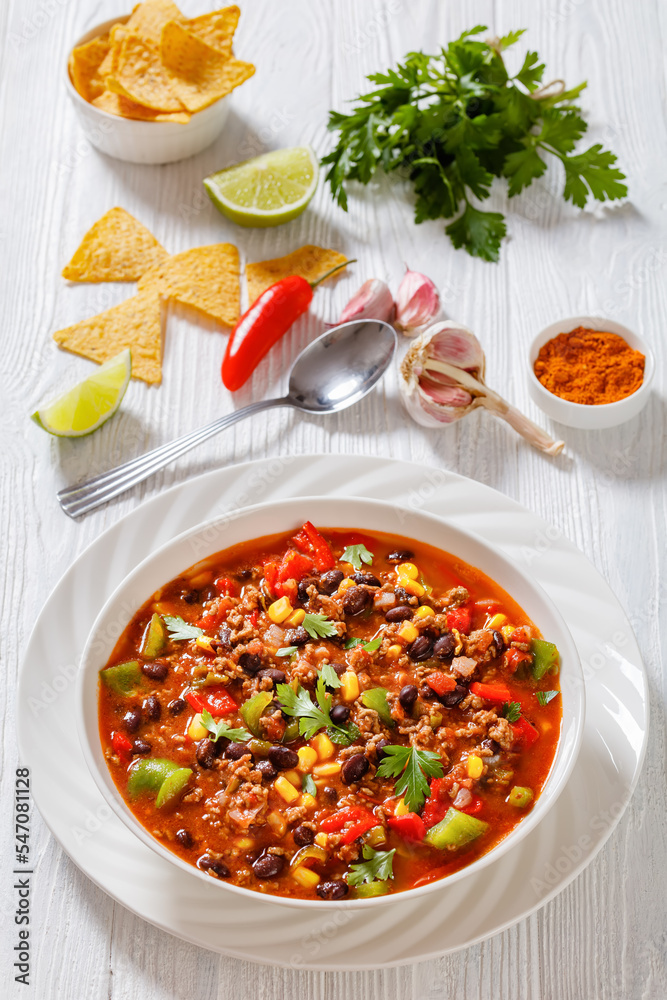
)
(172, 786)
(124, 678)
(368, 889)
(252, 710)
(149, 774)
(545, 658)
(155, 638)
(455, 830)
(520, 796)
(291, 731)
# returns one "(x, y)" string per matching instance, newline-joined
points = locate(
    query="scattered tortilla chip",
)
(216, 29)
(141, 76)
(310, 262)
(109, 64)
(116, 248)
(135, 323)
(84, 63)
(116, 104)
(204, 278)
(199, 74)
(149, 18)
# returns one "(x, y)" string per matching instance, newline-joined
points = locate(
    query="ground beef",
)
(502, 733)
(480, 645)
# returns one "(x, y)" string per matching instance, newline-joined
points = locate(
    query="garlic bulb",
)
(443, 380)
(372, 301)
(417, 303)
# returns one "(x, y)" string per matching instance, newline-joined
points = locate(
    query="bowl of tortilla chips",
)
(153, 87)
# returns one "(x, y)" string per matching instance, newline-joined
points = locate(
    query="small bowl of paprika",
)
(589, 372)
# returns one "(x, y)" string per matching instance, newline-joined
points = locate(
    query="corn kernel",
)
(307, 757)
(296, 617)
(293, 777)
(326, 770)
(394, 651)
(307, 801)
(475, 766)
(197, 730)
(305, 877)
(323, 746)
(408, 632)
(286, 790)
(401, 808)
(244, 843)
(407, 569)
(506, 631)
(349, 686)
(321, 839)
(206, 643)
(277, 822)
(345, 584)
(496, 621)
(459, 641)
(280, 610)
(411, 586)
(424, 612)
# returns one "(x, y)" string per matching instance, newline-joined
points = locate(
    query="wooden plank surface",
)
(604, 937)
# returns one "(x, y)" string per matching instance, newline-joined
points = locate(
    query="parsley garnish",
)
(511, 710)
(356, 554)
(218, 729)
(287, 651)
(369, 646)
(316, 715)
(454, 121)
(376, 698)
(330, 677)
(180, 629)
(544, 697)
(411, 767)
(378, 867)
(308, 785)
(318, 626)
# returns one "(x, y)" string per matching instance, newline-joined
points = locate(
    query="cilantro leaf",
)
(592, 172)
(318, 626)
(369, 646)
(479, 232)
(308, 785)
(521, 168)
(531, 72)
(376, 698)
(344, 736)
(511, 710)
(378, 866)
(287, 650)
(180, 629)
(315, 715)
(218, 729)
(356, 554)
(544, 697)
(330, 677)
(411, 767)
(510, 38)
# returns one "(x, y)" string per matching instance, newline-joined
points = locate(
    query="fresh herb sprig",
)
(316, 715)
(378, 866)
(371, 646)
(180, 629)
(511, 710)
(356, 554)
(544, 697)
(318, 626)
(411, 767)
(218, 729)
(452, 122)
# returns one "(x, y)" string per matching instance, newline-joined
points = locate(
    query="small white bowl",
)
(351, 512)
(144, 142)
(589, 417)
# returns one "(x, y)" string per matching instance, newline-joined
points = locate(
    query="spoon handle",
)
(78, 500)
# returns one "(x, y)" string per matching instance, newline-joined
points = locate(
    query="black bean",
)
(330, 581)
(205, 753)
(333, 889)
(340, 714)
(142, 747)
(243, 574)
(405, 598)
(379, 749)
(225, 636)
(368, 579)
(331, 793)
(354, 769)
(400, 555)
(208, 593)
(498, 641)
(356, 600)
(302, 589)
(283, 758)
(273, 674)
(250, 663)
(152, 708)
(268, 866)
(184, 837)
(218, 868)
(399, 614)
(235, 750)
(444, 646)
(176, 706)
(408, 696)
(266, 769)
(303, 836)
(421, 648)
(491, 745)
(190, 596)
(296, 636)
(157, 670)
(132, 720)
(427, 693)
(452, 698)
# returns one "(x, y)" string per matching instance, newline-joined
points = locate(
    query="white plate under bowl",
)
(258, 930)
(179, 554)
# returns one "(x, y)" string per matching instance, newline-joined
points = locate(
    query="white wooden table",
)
(604, 937)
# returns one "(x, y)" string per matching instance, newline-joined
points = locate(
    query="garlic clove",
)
(417, 303)
(372, 301)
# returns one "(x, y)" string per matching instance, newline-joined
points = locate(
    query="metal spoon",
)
(335, 371)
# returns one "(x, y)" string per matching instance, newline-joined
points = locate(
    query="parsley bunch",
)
(452, 122)
(316, 715)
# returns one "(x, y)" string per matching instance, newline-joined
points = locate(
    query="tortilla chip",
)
(110, 62)
(310, 262)
(149, 18)
(141, 76)
(116, 248)
(84, 63)
(116, 104)
(199, 74)
(216, 29)
(204, 278)
(135, 323)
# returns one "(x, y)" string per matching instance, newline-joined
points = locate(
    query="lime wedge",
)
(267, 190)
(84, 408)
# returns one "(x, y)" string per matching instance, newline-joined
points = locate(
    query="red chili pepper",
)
(497, 693)
(264, 323)
(338, 819)
(225, 586)
(525, 734)
(473, 807)
(121, 745)
(216, 700)
(357, 829)
(440, 683)
(410, 826)
(437, 803)
(310, 541)
(459, 618)
(513, 658)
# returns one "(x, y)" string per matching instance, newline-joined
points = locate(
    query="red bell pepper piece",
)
(437, 803)
(338, 819)
(310, 541)
(212, 619)
(254, 618)
(410, 826)
(225, 586)
(473, 807)
(294, 566)
(459, 618)
(121, 745)
(525, 734)
(440, 683)
(515, 657)
(497, 693)
(216, 700)
(357, 829)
